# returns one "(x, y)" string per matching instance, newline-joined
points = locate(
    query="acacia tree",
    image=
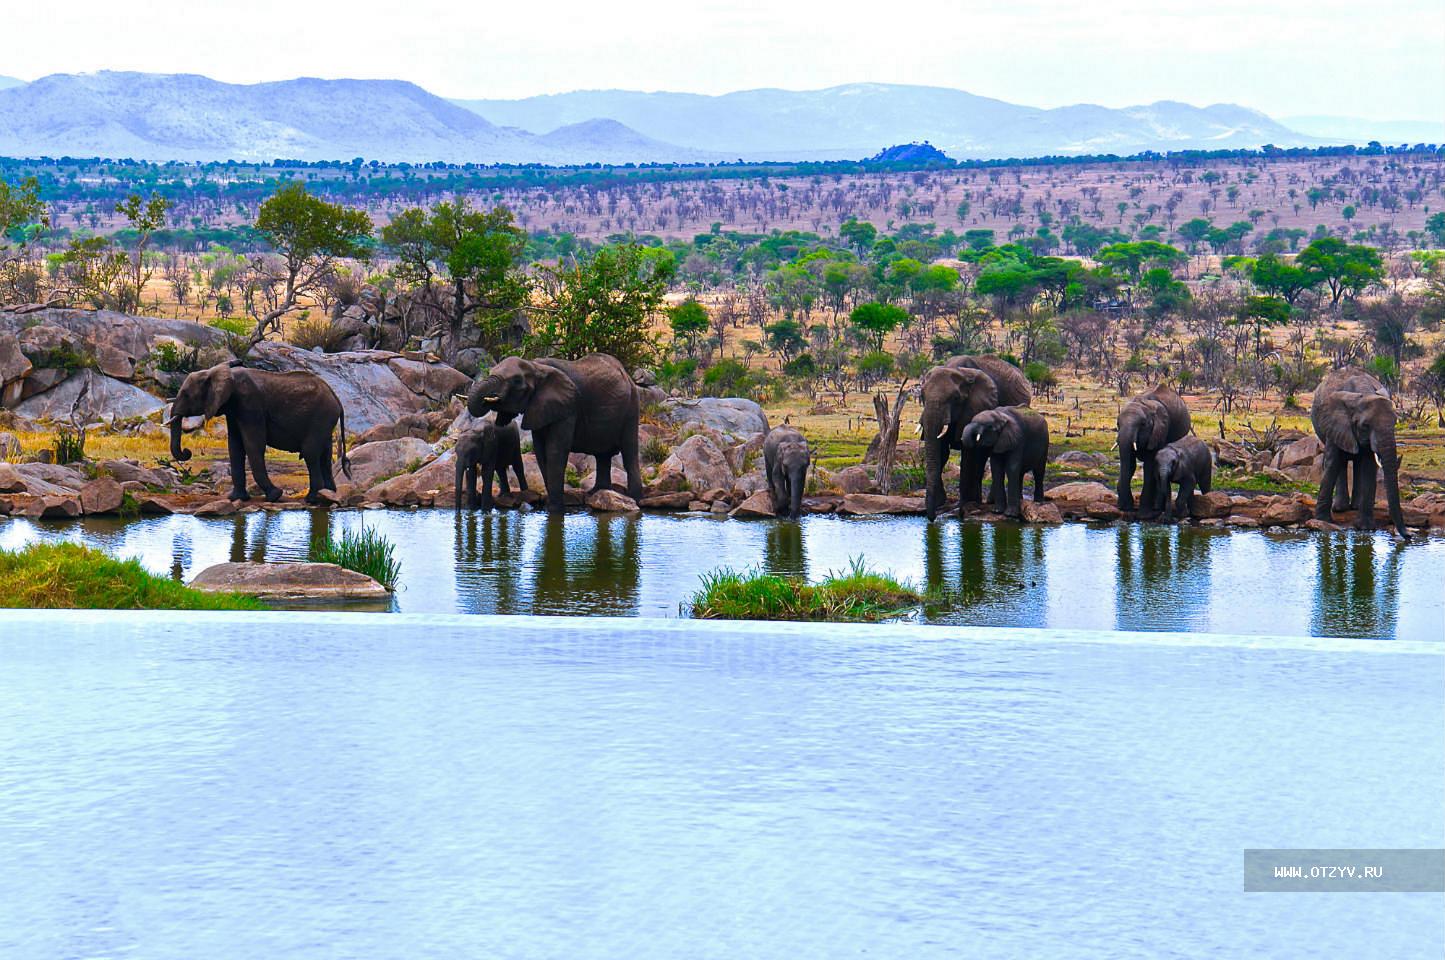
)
(478, 253)
(603, 304)
(146, 217)
(20, 210)
(309, 236)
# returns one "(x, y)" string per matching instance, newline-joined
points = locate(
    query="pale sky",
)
(1383, 59)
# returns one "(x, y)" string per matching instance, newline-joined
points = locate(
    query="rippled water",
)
(1073, 576)
(369, 786)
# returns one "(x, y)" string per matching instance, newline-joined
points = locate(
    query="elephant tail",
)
(341, 447)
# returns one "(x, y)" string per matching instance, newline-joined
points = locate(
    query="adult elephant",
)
(1355, 419)
(1147, 424)
(953, 394)
(293, 411)
(583, 406)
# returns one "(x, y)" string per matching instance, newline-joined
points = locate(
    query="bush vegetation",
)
(366, 551)
(854, 595)
(72, 576)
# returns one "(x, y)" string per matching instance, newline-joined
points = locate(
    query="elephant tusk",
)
(490, 399)
(942, 433)
(918, 430)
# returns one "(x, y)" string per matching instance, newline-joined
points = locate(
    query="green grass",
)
(71, 576)
(367, 552)
(854, 595)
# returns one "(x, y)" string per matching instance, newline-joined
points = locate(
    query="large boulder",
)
(366, 381)
(283, 582)
(1085, 499)
(90, 394)
(14, 367)
(101, 495)
(128, 471)
(733, 416)
(876, 504)
(49, 479)
(759, 504)
(372, 462)
(695, 464)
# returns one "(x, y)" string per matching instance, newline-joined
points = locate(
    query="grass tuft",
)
(854, 595)
(71, 576)
(366, 551)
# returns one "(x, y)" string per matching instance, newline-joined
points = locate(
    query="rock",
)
(1239, 520)
(412, 425)
(9, 446)
(739, 454)
(14, 366)
(667, 501)
(221, 507)
(1103, 510)
(101, 495)
(128, 471)
(733, 416)
(49, 478)
(760, 504)
(1041, 512)
(96, 394)
(114, 362)
(720, 507)
(1212, 505)
(1284, 511)
(749, 484)
(610, 501)
(435, 381)
(1303, 452)
(290, 581)
(618, 480)
(52, 507)
(372, 462)
(10, 480)
(874, 504)
(855, 479)
(1079, 458)
(154, 506)
(1323, 526)
(1085, 499)
(698, 464)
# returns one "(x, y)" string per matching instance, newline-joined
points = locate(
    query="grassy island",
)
(71, 576)
(855, 595)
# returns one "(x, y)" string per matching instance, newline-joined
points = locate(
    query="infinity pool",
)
(386, 785)
(1076, 576)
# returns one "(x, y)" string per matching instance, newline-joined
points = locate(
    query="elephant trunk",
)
(177, 454)
(933, 473)
(1384, 447)
(482, 395)
(796, 482)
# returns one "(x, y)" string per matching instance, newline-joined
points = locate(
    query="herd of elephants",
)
(978, 405)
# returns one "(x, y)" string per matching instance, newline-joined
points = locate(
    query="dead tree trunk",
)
(888, 422)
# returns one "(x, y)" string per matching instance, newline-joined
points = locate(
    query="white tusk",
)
(918, 430)
(1377, 460)
(942, 432)
(490, 399)
(167, 421)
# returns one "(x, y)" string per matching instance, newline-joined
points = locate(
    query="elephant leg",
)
(459, 485)
(1184, 503)
(1365, 476)
(1148, 506)
(500, 472)
(1039, 484)
(997, 488)
(236, 450)
(604, 474)
(1349, 480)
(255, 442)
(558, 443)
(483, 471)
(631, 462)
(1333, 463)
(315, 477)
(1013, 476)
(520, 471)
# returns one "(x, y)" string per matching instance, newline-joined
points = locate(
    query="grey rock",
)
(734, 416)
(102, 395)
(290, 582)
(698, 462)
(370, 462)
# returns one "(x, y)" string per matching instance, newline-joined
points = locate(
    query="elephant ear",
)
(220, 385)
(554, 396)
(1333, 422)
(982, 393)
(1010, 432)
(1158, 423)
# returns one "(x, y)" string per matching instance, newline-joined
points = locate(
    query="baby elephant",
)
(785, 461)
(1187, 462)
(1014, 441)
(491, 449)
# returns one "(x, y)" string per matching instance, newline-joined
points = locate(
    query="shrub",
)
(69, 446)
(72, 576)
(365, 551)
(856, 594)
(1039, 374)
(728, 378)
(172, 358)
(236, 326)
(655, 450)
(308, 333)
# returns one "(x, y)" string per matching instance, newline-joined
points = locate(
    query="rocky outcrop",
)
(875, 504)
(610, 501)
(367, 382)
(1085, 499)
(91, 395)
(733, 416)
(759, 504)
(290, 582)
(101, 495)
(698, 463)
(372, 462)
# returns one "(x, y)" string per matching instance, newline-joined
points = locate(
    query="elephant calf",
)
(490, 449)
(1187, 462)
(1014, 441)
(785, 461)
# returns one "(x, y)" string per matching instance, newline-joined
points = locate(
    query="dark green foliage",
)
(71, 576)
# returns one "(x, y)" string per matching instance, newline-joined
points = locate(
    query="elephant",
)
(1354, 418)
(1015, 441)
(293, 411)
(1146, 424)
(586, 406)
(490, 449)
(785, 462)
(952, 394)
(1189, 463)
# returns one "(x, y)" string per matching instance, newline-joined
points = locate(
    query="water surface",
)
(1104, 577)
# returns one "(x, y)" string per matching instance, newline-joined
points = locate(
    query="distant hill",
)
(853, 120)
(911, 153)
(189, 117)
(6, 82)
(1358, 130)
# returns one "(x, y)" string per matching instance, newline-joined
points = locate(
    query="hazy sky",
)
(1382, 59)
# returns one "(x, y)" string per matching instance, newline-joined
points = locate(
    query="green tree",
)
(477, 253)
(877, 320)
(859, 233)
(688, 319)
(604, 304)
(1344, 268)
(1194, 232)
(20, 207)
(1435, 226)
(310, 235)
(145, 217)
(1276, 278)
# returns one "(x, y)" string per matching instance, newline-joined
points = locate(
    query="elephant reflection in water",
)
(1352, 597)
(587, 564)
(783, 550)
(1163, 579)
(489, 562)
(996, 567)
